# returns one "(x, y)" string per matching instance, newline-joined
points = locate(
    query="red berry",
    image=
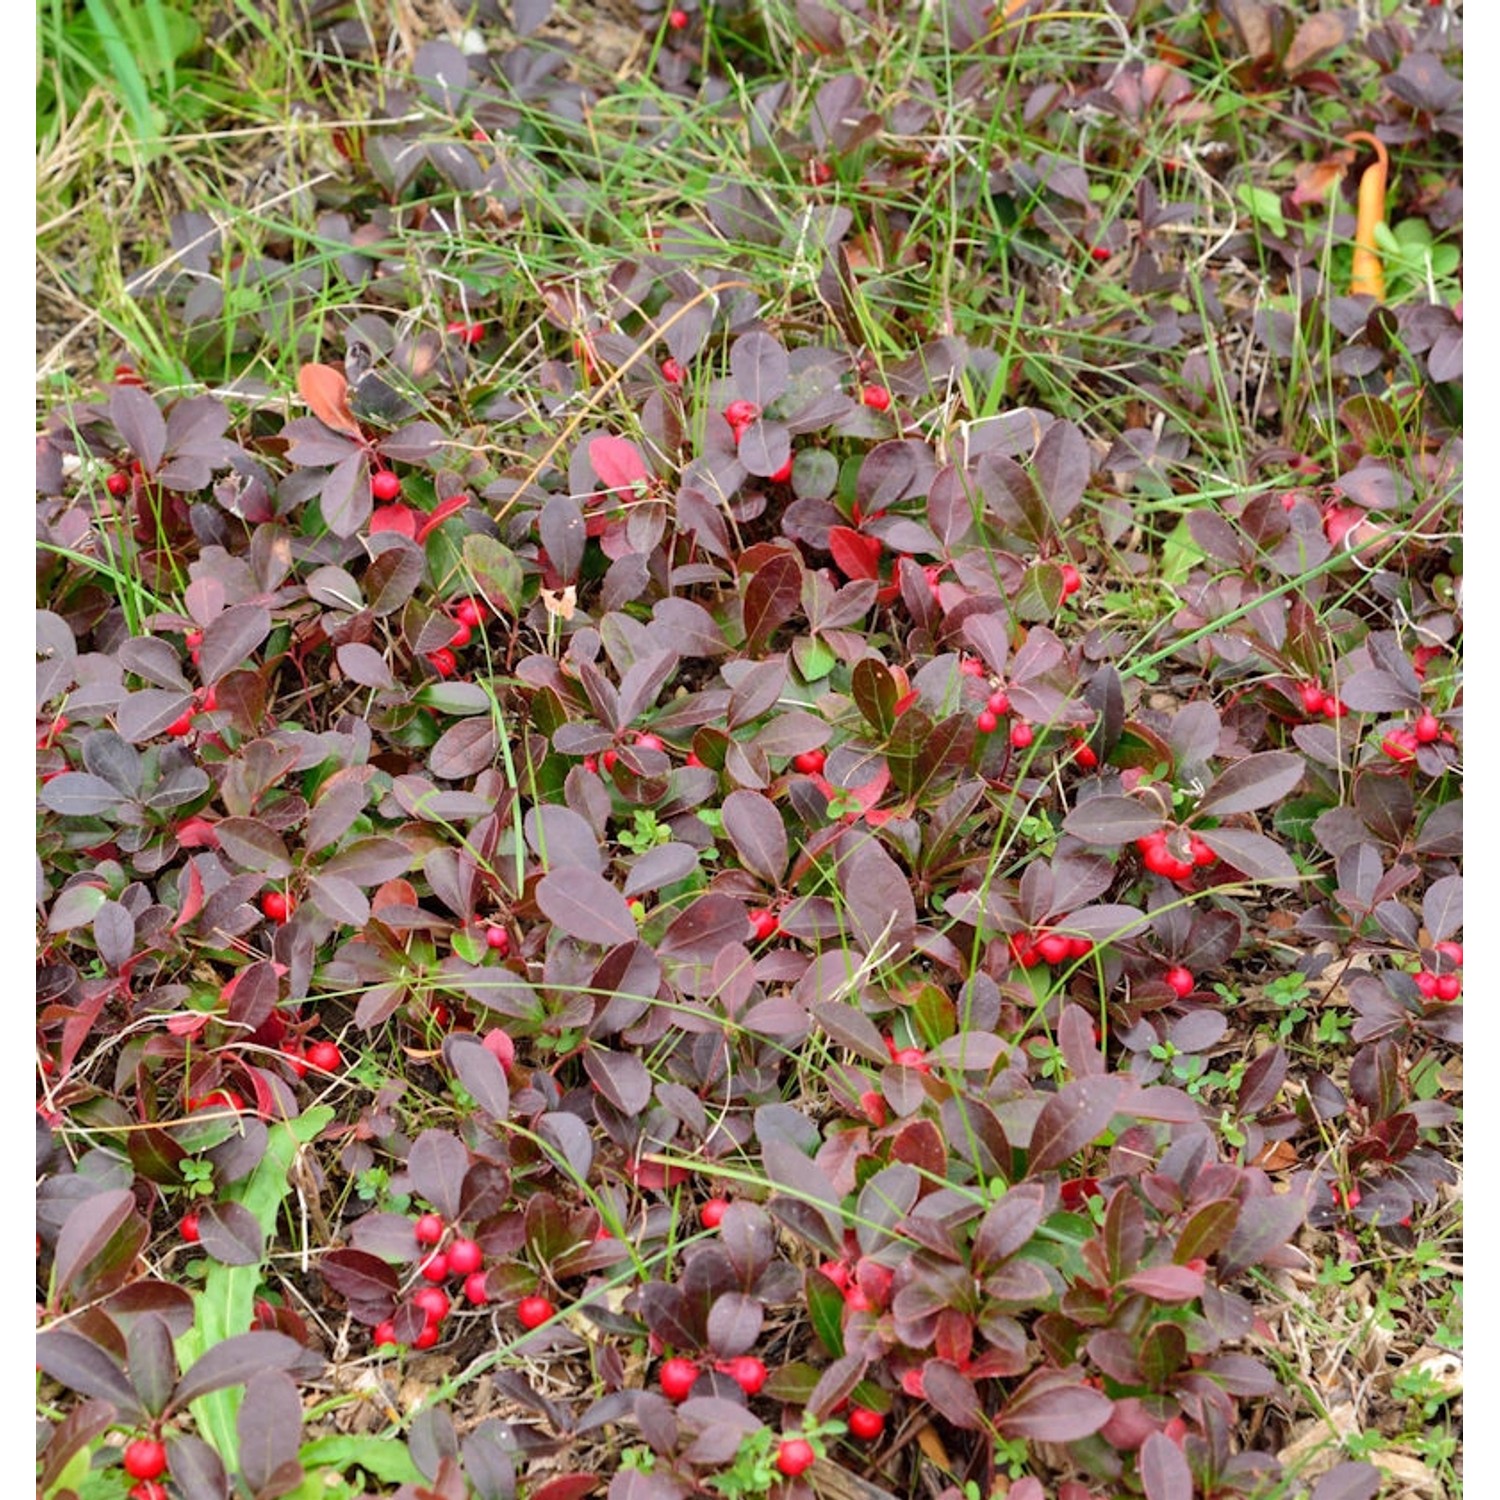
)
(650, 742)
(998, 702)
(476, 1289)
(795, 1456)
(810, 762)
(1427, 729)
(1427, 985)
(865, 1424)
(692, 759)
(498, 938)
(324, 1056)
(118, 484)
(782, 474)
(711, 1215)
(458, 328)
(435, 1267)
(1400, 745)
(741, 413)
(149, 1489)
(385, 486)
(1085, 755)
(145, 1458)
(1021, 735)
(433, 1301)
(678, 1377)
(277, 905)
(429, 1229)
(461, 637)
(1448, 987)
(856, 1300)
(1202, 854)
(608, 759)
(187, 1227)
(1453, 952)
(746, 1371)
(465, 1257)
(1054, 948)
(987, 722)
(677, 19)
(443, 661)
(837, 1272)
(499, 1044)
(819, 173)
(385, 1333)
(1072, 580)
(876, 397)
(180, 727)
(911, 1057)
(971, 666)
(1180, 981)
(1099, 252)
(1312, 696)
(427, 1338)
(1334, 708)
(672, 372)
(1080, 947)
(193, 639)
(534, 1311)
(470, 612)
(1023, 950)
(765, 924)
(590, 764)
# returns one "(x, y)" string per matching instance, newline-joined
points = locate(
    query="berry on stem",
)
(1180, 981)
(746, 1371)
(118, 484)
(187, 1227)
(325, 1056)
(795, 1456)
(782, 474)
(810, 762)
(385, 1334)
(145, 1458)
(1427, 729)
(433, 1301)
(429, 1229)
(987, 722)
(672, 372)
(277, 905)
(443, 661)
(385, 486)
(876, 397)
(711, 1215)
(465, 1257)
(677, 1377)
(865, 1424)
(435, 1267)
(498, 938)
(476, 1289)
(533, 1311)
(765, 924)
(1072, 580)
(1021, 735)
(427, 1338)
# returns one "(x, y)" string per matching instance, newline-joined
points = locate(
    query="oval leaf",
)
(586, 907)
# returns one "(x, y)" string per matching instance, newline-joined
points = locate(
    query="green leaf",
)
(375, 1455)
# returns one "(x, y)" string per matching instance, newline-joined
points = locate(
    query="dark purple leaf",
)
(370, 861)
(805, 1184)
(236, 1359)
(364, 1280)
(1008, 1225)
(707, 926)
(1442, 907)
(196, 1469)
(480, 1072)
(77, 1430)
(1266, 1223)
(77, 794)
(759, 367)
(1062, 467)
(1167, 1284)
(1073, 1117)
(952, 1394)
(771, 598)
(1348, 1481)
(232, 1234)
(1253, 854)
(87, 1232)
(642, 681)
(660, 866)
(561, 528)
(1046, 1412)
(339, 900)
(755, 828)
(1164, 1471)
(585, 906)
(345, 499)
(437, 1163)
(621, 1077)
(140, 423)
(230, 638)
(392, 578)
(364, 665)
(251, 845)
(82, 1366)
(764, 448)
(1112, 821)
(734, 1324)
(1256, 781)
(464, 750)
(144, 715)
(269, 1424)
(114, 933)
(878, 897)
(836, 1384)
(571, 1137)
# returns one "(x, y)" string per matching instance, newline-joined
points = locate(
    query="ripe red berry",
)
(795, 1456)
(1427, 984)
(1072, 580)
(1054, 948)
(1203, 856)
(499, 1044)
(1427, 729)
(1080, 947)
(433, 1301)
(819, 173)
(810, 762)
(498, 938)
(1023, 950)
(711, 1215)
(782, 474)
(385, 1334)
(865, 1424)
(650, 742)
(435, 1267)
(1180, 980)
(443, 661)
(427, 1338)
(534, 1311)
(608, 759)
(1453, 952)
(465, 1257)
(429, 1229)
(1334, 708)
(677, 19)
(746, 1371)
(677, 1377)
(1400, 745)
(998, 702)
(1312, 696)
(741, 413)
(187, 1227)
(118, 484)
(672, 372)
(476, 1289)
(462, 635)
(1021, 735)
(325, 1057)
(470, 612)
(987, 722)
(876, 397)
(277, 905)
(765, 924)
(385, 486)
(178, 728)
(193, 639)
(145, 1458)
(856, 1300)
(1448, 987)
(692, 759)
(1085, 755)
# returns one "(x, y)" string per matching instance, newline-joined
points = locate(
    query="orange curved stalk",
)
(1368, 277)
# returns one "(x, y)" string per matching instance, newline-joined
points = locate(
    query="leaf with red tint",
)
(440, 513)
(1075, 1115)
(1167, 1284)
(401, 519)
(618, 463)
(857, 555)
(1050, 1409)
(771, 598)
(327, 395)
(567, 1486)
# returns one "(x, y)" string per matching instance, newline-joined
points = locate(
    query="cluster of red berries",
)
(1316, 699)
(467, 618)
(455, 1257)
(208, 698)
(466, 333)
(1157, 856)
(1402, 743)
(996, 706)
(1446, 985)
(1032, 948)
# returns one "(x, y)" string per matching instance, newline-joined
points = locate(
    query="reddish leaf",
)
(1256, 781)
(618, 463)
(82, 1366)
(438, 1162)
(1164, 1471)
(755, 828)
(1073, 1117)
(1045, 1411)
(269, 1424)
(770, 599)
(327, 395)
(232, 1234)
(857, 555)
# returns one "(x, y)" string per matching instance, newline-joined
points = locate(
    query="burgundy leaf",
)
(269, 1423)
(1256, 781)
(438, 1162)
(464, 750)
(1253, 854)
(1047, 1412)
(87, 1232)
(759, 367)
(1164, 1471)
(1348, 1481)
(236, 1359)
(771, 598)
(1167, 1284)
(480, 1072)
(144, 715)
(1008, 1225)
(1073, 1117)
(140, 423)
(952, 1394)
(82, 1366)
(734, 1324)
(364, 665)
(621, 1077)
(1266, 1223)
(755, 828)
(585, 906)
(232, 1234)
(363, 1279)
(1111, 821)
(230, 638)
